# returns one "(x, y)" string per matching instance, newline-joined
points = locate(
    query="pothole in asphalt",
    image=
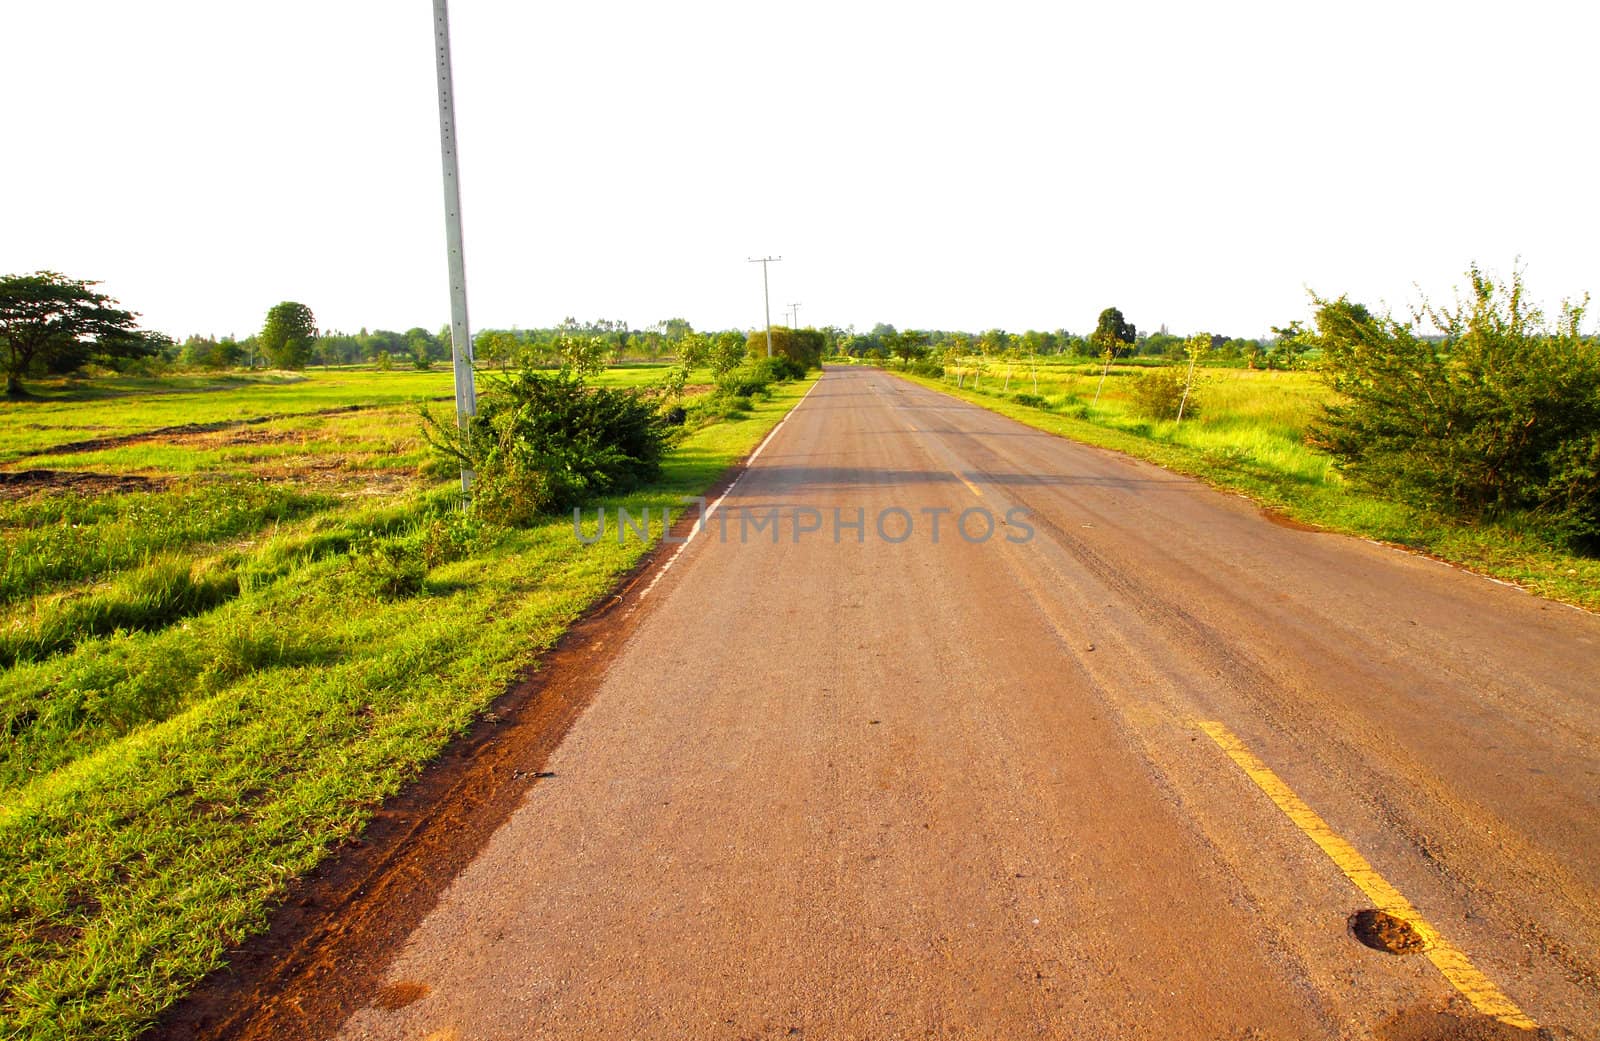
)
(1383, 931)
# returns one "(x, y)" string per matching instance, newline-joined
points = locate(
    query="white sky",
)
(926, 164)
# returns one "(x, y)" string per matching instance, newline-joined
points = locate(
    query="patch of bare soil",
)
(18, 484)
(335, 474)
(237, 436)
(97, 444)
(1283, 520)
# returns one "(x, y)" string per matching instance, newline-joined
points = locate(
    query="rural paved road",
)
(865, 789)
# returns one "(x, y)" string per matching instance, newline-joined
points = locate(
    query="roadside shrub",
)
(448, 537)
(545, 442)
(388, 567)
(926, 367)
(744, 382)
(779, 368)
(1030, 400)
(1500, 417)
(1158, 393)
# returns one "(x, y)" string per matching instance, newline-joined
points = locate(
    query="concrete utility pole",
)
(460, 335)
(794, 313)
(766, 296)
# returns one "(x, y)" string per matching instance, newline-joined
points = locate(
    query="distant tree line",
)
(611, 341)
(1284, 350)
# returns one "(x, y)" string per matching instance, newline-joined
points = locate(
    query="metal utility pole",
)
(766, 296)
(794, 320)
(460, 335)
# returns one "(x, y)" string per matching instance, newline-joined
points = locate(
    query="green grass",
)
(72, 411)
(1249, 438)
(49, 541)
(230, 689)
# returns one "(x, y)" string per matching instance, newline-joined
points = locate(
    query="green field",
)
(223, 647)
(1248, 436)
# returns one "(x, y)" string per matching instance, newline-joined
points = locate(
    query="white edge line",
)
(703, 521)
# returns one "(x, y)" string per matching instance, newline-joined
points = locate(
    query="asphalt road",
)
(1125, 768)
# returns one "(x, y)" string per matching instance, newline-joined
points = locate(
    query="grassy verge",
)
(1249, 443)
(162, 783)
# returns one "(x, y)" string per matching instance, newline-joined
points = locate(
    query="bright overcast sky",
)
(925, 164)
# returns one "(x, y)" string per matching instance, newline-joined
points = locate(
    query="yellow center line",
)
(1451, 962)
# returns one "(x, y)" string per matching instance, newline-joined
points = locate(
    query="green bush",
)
(387, 567)
(1030, 400)
(1502, 416)
(545, 442)
(1159, 393)
(448, 537)
(746, 381)
(925, 367)
(780, 368)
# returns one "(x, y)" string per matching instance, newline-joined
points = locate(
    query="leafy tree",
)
(1033, 342)
(1162, 344)
(51, 322)
(907, 345)
(836, 340)
(584, 354)
(1233, 348)
(727, 352)
(1112, 335)
(201, 352)
(694, 349)
(675, 329)
(1293, 342)
(1196, 347)
(1113, 332)
(994, 342)
(1253, 353)
(341, 349)
(382, 341)
(423, 345)
(1501, 415)
(1073, 345)
(499, 347)
(287, 337)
